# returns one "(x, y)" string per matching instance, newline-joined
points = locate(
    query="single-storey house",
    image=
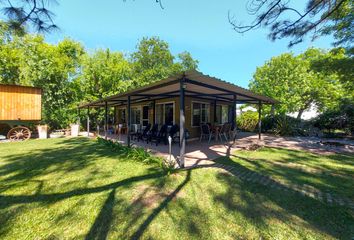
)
(187, 99)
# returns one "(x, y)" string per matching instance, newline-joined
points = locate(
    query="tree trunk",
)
(301, 111)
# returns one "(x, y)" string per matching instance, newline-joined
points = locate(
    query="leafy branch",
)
(286, 21)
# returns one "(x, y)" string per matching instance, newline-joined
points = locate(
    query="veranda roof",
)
(196, 84)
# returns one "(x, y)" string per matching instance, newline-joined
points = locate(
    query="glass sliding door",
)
(145, 115)
(223, 114)
(165, 113)
(200, 113)
(135, 115)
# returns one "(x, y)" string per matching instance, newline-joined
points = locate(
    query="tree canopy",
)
(320, 17)
(68, 74)
(297, 84)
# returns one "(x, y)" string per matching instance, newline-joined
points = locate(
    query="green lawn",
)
(78, 189)
(329, 173)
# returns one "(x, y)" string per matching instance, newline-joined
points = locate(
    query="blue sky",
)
(200, 27)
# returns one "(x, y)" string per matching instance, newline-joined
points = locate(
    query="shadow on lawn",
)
(69, 155)
(295, 210)
(337, 179)
(78, 153)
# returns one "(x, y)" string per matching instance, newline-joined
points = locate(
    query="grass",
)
(78, 189)
(330, 173)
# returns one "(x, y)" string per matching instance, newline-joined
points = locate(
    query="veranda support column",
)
(182, 138)
(259, 119)
(233, 115)
(128, 125)
(88, 121)
(78, 115)
(214, 110)
(153, 112)
(105, 119)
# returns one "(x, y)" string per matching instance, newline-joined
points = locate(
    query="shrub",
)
(341, 118)
(285, 126)
(137, 154)
(247, 121)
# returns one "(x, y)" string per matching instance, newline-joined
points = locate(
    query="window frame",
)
(163, 109)
(228, 110)
(200, 102)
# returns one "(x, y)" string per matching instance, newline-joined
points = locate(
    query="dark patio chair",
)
(160, 136)
(225, 131)
(205, 132)
(173, 133)
(144, 134)
(153, 132)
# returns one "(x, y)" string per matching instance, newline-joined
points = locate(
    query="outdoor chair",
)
(205, 132)
(160, 136)
(225, 131)
(173, 133)
(143, 135)
(153, 132)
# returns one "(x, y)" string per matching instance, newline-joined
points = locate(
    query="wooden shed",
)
(20, 103)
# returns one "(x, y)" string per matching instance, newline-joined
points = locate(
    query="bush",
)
(341, 118)
(137, 154)
(285, 125)
(248, 121)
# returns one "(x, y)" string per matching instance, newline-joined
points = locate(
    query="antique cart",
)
(20, 108)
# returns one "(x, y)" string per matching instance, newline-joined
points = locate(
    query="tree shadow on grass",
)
(100, 228)
(255, 206)
(326, 179)
(142, 228)
(68, 155)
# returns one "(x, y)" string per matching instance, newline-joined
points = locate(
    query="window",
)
(135, 115)
(121, 115)
(200, 113)
(145, 115)
(223, 114)
(165, 113)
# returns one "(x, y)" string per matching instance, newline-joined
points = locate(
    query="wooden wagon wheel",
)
(19, 134)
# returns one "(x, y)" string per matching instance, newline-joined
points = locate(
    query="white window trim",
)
(174, 110)
(206, 103)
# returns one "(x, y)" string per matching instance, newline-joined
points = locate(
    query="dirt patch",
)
(151, 196)
(253, 147)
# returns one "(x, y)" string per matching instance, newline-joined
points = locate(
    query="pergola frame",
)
(183, 81)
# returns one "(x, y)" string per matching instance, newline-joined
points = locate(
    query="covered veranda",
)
(189, 84)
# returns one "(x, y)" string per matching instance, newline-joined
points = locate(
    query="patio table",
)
(216, 129)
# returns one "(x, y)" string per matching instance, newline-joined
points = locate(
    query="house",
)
(187, 99)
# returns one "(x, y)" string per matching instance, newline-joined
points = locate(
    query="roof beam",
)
(217, 88)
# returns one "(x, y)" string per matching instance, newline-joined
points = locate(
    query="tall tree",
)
(29, 61)
(104, 73)
(20, 14)
(154, 61)
(291, 80)
(320, 17)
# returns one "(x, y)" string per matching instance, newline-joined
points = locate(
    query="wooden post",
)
(88, 121)
(105, 119)
(128, 122)
(259, 120)
(182, 138)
